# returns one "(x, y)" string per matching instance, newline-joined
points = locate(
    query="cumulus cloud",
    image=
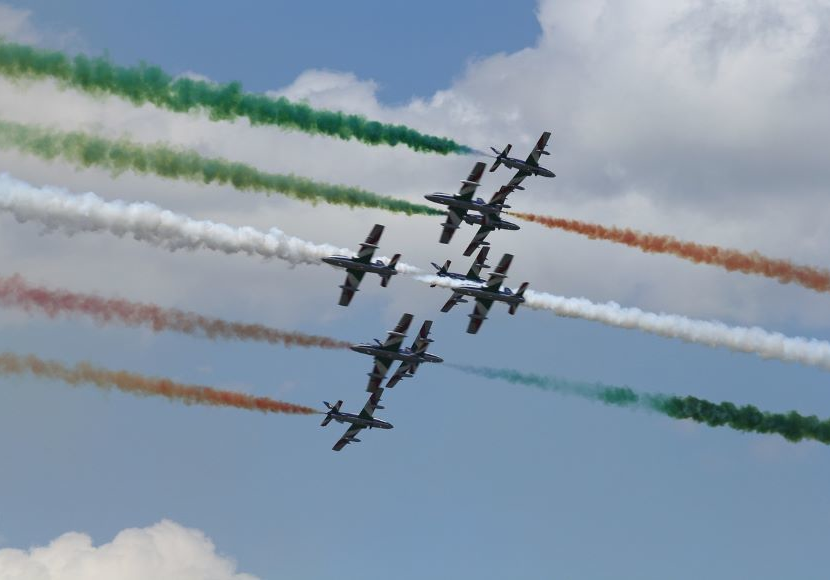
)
(164, 551)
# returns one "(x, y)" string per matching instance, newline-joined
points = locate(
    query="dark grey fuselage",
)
(525, 167)
(478, 205)
(481, 292)
(361, 421)
(376, 267)
(404, 354)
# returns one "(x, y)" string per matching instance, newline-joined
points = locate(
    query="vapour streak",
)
(85, 373)
(15, 292)
(792, 426)
(117, 156)
(59, 210)
(784, 271)
(712, 333)
(149, 84)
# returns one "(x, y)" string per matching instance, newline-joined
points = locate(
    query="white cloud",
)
(164, 551)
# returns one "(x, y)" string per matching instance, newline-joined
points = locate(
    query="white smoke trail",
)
(712, 333)
(60, 210)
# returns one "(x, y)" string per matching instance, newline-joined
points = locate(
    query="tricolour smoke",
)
(15, 292)
(149, 84)
(792, 426)
(116, 156)
(784, 271)
(713, 333)
(59, 210)
(85, 373)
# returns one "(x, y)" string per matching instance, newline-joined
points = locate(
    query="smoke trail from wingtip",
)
(134, 383)
(792, 426)
(149, 84)
(59, 210)
(712, 333)
(15, 292)
(784, 271)
(117, 156)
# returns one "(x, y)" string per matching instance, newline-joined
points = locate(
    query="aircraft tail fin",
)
(520, 293)
(500, 156)
(333, 410)
(384, 280)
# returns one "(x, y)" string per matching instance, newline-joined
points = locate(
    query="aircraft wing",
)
(353, 278)
(497, 277)
(469, 185)
(454, 299)
(500, 196)
(347, 437)
(538, 151)
(478, 239)
(422, 340)
(404, 371)
(479, 314)
(379, 369)
(455, 215)
(367, 248)
(480, 263)
(517, 179)
(367, 413)
(396, 336)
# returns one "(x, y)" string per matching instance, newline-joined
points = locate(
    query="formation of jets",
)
(461, 208)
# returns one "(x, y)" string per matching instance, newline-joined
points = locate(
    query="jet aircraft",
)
(387, 352)
(472, 274)
(357, 266)
(485, 295)
(357, 422)
(528, 167)
(459, 205)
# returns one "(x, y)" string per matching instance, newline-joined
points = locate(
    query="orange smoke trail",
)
(784, 271)
(16, 292)
(85, 373)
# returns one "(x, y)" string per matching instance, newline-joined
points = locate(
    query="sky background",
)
(706, 120)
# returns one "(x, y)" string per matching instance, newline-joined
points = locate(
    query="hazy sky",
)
(706, 120)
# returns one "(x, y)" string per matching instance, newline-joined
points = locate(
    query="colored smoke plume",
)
(222, 102)
(764, 343)
(15, 292)
(59, 210)
(784, 271)
(85, 373)
(116, 156)
(792, 426)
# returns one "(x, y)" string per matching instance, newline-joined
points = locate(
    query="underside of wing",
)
(404, 371)
(478, 239)
(469, 185)
(479, 315)
(368, 247)
(372, 404)
(353, 278)
(348, 437)
(395, 336)
(454, 299)
(379, 369)
(454, 218)
(538, 150)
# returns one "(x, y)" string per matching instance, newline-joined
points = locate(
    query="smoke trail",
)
(792, 426)
(117, 156)
(17, 293)
(755, 340)
(149, 84)
(59, 210)
(784, 271)
(85, 373)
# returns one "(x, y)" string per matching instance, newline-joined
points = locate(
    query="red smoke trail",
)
(784, 271)
(136, 384)
(16, 292)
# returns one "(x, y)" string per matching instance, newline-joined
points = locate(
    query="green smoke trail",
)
(792, 426)
(121, 155)
(150, 84)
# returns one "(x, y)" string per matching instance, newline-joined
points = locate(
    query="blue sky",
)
(478, 479)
